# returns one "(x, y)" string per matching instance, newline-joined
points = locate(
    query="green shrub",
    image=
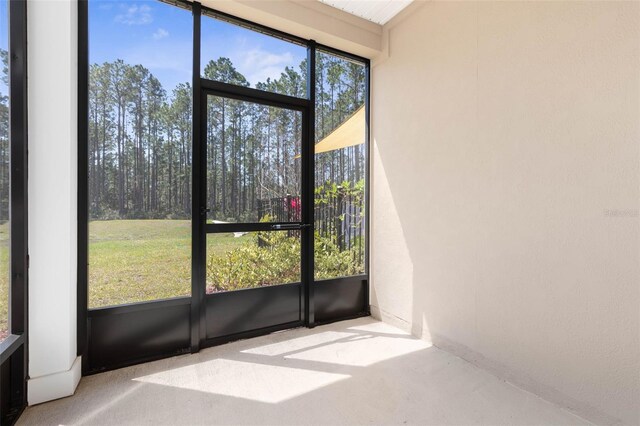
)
(269, 258)
(331, 262)
(266, 258)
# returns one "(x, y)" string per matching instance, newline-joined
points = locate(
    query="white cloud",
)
(171, 64)
(135, 15)
(258, 65)
(160, 33)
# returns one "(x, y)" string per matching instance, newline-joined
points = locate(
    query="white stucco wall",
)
(506, 192)
(54, 370)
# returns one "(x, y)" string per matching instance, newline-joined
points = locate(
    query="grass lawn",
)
(140, 260)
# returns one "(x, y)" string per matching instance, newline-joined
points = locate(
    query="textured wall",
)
(506, 192)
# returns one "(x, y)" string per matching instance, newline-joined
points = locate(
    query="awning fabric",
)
(349, 133)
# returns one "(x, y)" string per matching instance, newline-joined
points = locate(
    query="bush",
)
(269, 258)
(266, 258)
(331, 262)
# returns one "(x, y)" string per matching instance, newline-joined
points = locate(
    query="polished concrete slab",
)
(348, 373)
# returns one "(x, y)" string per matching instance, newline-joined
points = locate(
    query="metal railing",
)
(339, 215)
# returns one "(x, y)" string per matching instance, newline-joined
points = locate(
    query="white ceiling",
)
(378, 11)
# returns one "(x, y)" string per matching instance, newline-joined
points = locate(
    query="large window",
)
(139, 152)
(140, 148)
(341, 168)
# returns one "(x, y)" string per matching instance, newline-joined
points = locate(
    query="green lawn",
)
(140, 260)
(131, 261)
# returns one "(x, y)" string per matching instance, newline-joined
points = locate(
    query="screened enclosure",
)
(202, 182)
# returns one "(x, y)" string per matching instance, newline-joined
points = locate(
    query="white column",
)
(54, 368)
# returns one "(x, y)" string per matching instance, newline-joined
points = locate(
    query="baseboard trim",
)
(54, 386)
(390, 319)
(578, 408)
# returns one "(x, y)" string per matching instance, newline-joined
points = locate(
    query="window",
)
(237, 55)
(253, 161)
(340, 174)
(139, 152)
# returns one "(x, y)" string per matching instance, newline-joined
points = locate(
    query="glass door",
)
(253, 214)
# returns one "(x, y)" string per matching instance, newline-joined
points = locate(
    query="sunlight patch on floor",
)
(380, 328)
(316, 360)
(358, 346)
(299, 343)
(361, 350)
(367, 344)
(248, 380)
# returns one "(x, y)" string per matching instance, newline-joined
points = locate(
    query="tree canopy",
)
(140, 140)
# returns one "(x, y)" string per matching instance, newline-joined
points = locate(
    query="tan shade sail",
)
(349, 133)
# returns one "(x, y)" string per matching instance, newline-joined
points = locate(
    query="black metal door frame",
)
(267, 295)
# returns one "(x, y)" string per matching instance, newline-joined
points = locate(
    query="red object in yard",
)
(294, 206)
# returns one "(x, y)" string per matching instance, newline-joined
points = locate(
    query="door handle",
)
(289, 226)
(279, 227)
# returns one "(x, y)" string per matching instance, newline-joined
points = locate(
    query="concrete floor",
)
(353, 372)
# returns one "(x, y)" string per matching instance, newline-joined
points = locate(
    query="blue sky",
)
(4, 25)
(159, 37)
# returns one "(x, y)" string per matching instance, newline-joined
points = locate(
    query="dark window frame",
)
(196, 300)
(13, 350)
